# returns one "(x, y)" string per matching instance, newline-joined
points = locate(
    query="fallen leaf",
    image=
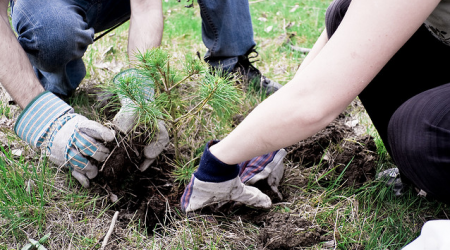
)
(294, 9)
(17, 152)
(268, 29)
(262, 19)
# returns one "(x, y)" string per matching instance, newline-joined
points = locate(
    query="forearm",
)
(318, 45)
(16, 72)
(146, 26)
(368, 37)
(293, 113)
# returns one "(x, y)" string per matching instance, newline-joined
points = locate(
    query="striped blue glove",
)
(67, 138)
(135, 83)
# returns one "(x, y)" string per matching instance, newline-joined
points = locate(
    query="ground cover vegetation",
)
(331, 198)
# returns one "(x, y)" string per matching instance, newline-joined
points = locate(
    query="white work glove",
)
(216, 182)
(67, 138)
(156, 146)
(126, 118)
(434, 236)
(269, 167)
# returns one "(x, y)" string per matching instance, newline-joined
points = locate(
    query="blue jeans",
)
(227, 31)
(55, 34)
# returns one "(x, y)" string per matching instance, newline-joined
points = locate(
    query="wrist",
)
(34, 122)
(220, 154)
(212, 169)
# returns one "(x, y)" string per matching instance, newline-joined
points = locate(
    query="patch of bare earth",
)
(152, 196)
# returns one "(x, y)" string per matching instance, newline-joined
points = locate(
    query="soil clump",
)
(153, 195)
(147, 196)
(287, 231)
(349, 159)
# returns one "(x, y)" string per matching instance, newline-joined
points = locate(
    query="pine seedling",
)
(175, 94)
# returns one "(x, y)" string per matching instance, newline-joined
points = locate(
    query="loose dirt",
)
(349, 159)
(287, 231)
(152, 195)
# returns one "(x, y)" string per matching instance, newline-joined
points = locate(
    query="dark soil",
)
(141, 195)
(287, 231)
(310, 151)
(353, 157)
(152, 195)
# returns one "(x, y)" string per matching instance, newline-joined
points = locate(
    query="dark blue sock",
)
(212, 169)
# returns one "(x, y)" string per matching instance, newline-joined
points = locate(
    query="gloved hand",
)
(269, 167)
(126, 118)
(156, 146)
(67, 138)
(216, 182)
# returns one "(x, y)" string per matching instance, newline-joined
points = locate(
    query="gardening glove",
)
(434, 235)
(216, 182)
(269, 167)
(156, 146)
(126, 118)
(67, 138)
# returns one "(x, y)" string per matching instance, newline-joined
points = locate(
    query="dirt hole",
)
(152, 195)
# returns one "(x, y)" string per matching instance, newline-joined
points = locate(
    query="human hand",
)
(269, 167)
(126, 118)
(67, 138)
(156, 146)
(216, 182)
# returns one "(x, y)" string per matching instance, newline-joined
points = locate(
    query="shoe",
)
(392, 178)
(252, 77)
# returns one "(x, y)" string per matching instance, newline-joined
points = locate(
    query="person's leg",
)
(56, 34)
(419, 136)
(419, 65)
(227, 33)
(401, 88)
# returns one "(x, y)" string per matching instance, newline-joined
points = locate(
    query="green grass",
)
(24, 192)
(370, 217)
(5, 110)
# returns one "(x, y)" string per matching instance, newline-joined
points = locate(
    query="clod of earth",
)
(286, 231)
(338, 147)
(152, 195)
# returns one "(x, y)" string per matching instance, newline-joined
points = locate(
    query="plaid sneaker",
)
(392, 178)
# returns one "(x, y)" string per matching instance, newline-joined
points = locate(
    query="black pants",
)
(409, 104)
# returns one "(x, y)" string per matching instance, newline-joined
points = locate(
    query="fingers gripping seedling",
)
(156, 92)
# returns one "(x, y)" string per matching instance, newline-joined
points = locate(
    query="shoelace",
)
(246, 63)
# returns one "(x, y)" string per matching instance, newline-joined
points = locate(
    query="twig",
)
(256, 1)
(111, 228)
(107, 158)
(299, 49)
(180, 82)
(334, 231)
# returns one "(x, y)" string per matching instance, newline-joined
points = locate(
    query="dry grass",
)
(78, 219)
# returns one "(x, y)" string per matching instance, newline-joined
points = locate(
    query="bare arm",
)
(369, 35)
(321, 41)
(146, 26)
(16, 72)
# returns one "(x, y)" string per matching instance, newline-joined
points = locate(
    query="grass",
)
(36, 198)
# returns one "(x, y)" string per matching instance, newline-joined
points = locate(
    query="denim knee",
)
(52, 35)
